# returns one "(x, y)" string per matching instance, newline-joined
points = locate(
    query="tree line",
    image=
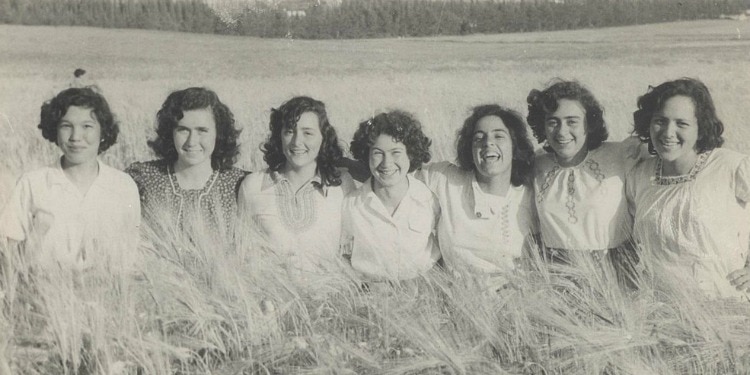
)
(363, 18)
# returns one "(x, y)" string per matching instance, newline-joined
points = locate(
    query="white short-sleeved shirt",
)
(303, 227)
(584, 207)
(697, 224)
(385, 247)
(63, 225)
(479, 230)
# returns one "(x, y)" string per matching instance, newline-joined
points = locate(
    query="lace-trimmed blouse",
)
(695, 224)
(584, 207)
(304, 227)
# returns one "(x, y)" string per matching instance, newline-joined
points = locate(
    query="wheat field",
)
(206, 306)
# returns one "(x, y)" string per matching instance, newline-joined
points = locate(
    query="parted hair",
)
(400, 125)
(710, 128)
(545, 102)
(54, 110)
(287, 116)
(523, 150)
(194, 98)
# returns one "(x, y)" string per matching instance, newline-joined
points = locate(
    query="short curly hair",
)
(194, 98)
(710, 128)
(287, 116)
(543, 103)
(54, 110)
(400, 125)
(523, 150)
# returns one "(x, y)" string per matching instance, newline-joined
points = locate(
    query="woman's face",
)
(301, 145)
(492, 148)
(78, 136)
(565, 130)
(674, 130)
(195, 137)
(389, 162)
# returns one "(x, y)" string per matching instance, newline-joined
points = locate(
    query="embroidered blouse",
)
(584, 207)
(215, 205)
(302, 227)
(479, 230)
(696, 224)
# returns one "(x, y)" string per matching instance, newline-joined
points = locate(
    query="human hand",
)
(740, 279)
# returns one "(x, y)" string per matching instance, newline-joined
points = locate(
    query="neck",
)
(575, 160)
(192, 176)
(679, 167)
(495, 185)
(82, 175)
(299, 176)
(390, 196)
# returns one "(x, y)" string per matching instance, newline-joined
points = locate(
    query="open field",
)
(193, 309)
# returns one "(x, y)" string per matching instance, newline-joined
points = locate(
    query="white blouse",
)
(696, 225)
(478, 230)
(391, 247)
(584, 207)
(304, 227)
(62, 226)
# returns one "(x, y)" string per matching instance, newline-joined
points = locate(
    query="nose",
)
(296, 139)
(191, 139)
(387, 160)
(75, 133)
(670, 129)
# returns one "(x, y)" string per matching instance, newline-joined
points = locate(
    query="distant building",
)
(298, 8)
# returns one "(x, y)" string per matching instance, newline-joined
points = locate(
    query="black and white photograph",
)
(398, 187)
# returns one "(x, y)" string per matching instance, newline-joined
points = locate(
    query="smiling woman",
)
(579, 183)
(194, 183)
(486, 199)
(389, 222)
(77, 211)
(296, 203)
(689, 201)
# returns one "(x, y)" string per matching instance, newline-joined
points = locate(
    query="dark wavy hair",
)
(543, 103)
(193, 98)
(400, 125)
(523, 150)
(710, 128)
(54, 110)
(287, 116)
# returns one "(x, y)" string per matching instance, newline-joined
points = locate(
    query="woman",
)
(579, 183)
(77, 211)
(296, 202)
(389, 222)
(193, 183)
(689, 202)
(486, 202)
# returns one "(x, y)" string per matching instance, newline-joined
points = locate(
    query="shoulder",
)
(149, 168)
(543, 162)
(729, 157)
(233, 174)
(436, 173)
(419, 192)
(119, 184)
(642, 172)
(253, 182)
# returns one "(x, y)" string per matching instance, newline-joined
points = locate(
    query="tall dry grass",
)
(196, 304)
